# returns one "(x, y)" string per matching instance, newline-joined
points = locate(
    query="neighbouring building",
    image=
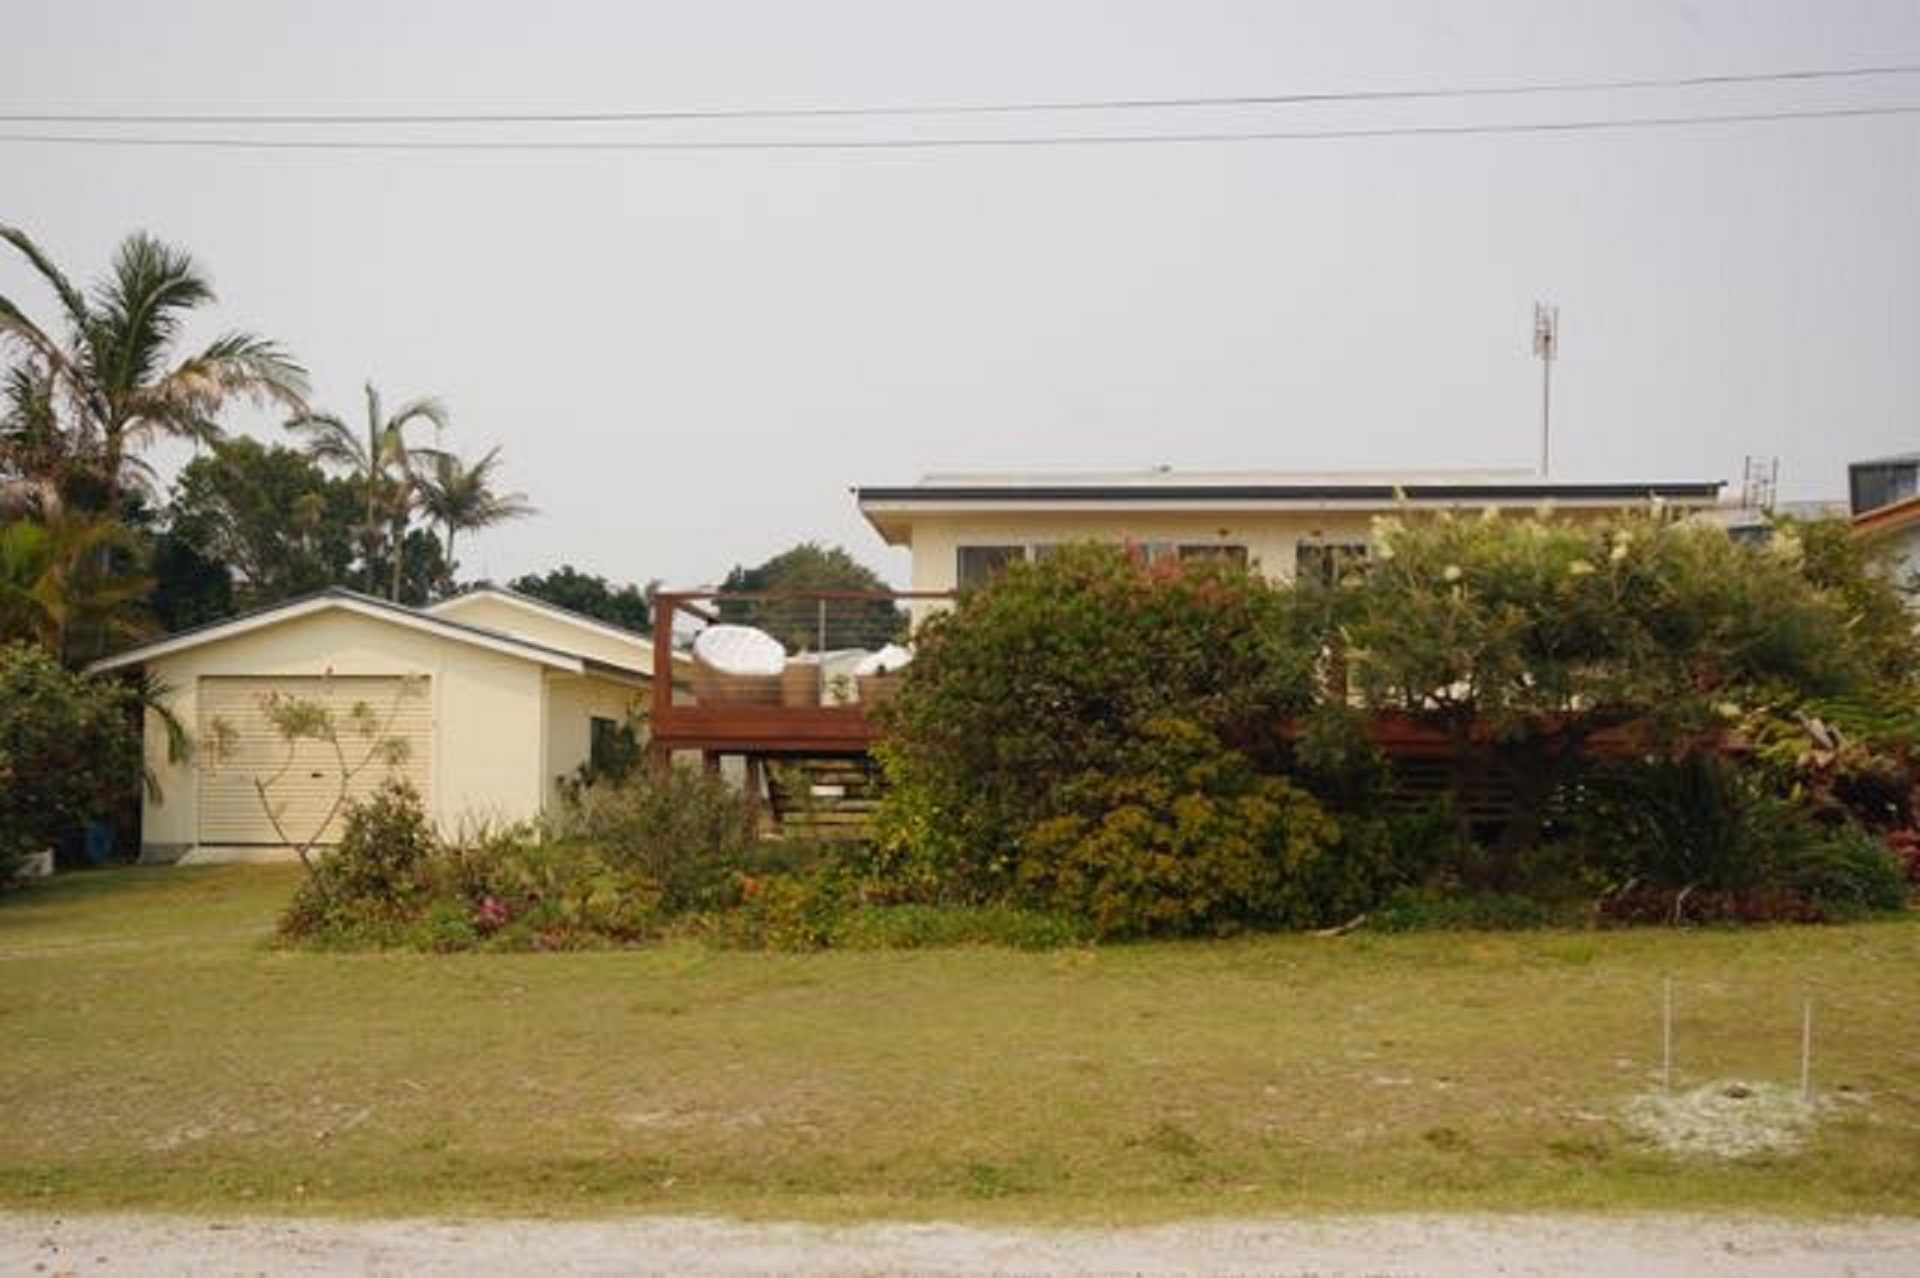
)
(1884, 494)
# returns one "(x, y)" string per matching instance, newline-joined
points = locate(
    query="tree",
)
(1521, 639)
(265, 517)
(114, 384)
(625, 605)
(69, 752)
(803, 623)
(66, 584)
(382, 464)
(461, 498)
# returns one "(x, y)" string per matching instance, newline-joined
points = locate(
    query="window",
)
(1235, 555)
(1877, 484)
(981, 564)
(1326, 563)
(607, 746)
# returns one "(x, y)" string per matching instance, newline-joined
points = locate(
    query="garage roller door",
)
(230, 808)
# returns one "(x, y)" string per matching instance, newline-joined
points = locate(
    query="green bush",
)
(1846, 873)
(1185, 836)
(69, 751)
(1051, 674)
(683, 829)
(376, 877)
(1699, 822)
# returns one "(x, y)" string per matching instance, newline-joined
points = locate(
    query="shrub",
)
(780, 912)
(1052, 673)
(1701, 839)
(1846, 873)
(685, 830)
(69, 751)
(1524, 639)
(1184, 836)
(1697, 822)
(377, 876)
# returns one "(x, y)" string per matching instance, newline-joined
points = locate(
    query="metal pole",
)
(1806, 1050)
(1666, 1037)
(1546, 414)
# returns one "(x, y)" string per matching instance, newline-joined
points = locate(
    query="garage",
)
(493, 700)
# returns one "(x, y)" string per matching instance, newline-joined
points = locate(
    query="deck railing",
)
(818, 704)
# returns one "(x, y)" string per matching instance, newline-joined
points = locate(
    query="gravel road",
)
(1374, 1247)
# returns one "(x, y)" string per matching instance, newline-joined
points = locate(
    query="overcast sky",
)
(690, 357)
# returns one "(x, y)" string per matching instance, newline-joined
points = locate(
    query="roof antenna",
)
(1546, 344)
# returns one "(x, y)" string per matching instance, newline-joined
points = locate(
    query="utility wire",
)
(1619, 124)
(978, 108)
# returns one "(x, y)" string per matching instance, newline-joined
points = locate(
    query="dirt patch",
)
(1727, 1119)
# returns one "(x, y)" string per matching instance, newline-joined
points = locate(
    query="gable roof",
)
(544, 608)
(339, 599)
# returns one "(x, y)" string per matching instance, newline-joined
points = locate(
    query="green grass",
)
(157, 1052)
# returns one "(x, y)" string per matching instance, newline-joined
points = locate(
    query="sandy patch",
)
(1725, 1119)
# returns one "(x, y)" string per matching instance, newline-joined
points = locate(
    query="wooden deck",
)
(756, 728)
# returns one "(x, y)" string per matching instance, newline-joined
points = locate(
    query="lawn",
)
(158, 1052)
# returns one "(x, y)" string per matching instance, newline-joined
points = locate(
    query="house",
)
(497, 698)
(1880, 482)
(1897, 525)
(962, 528)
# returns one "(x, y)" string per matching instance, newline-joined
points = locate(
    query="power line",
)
(1619, 124)
(977, 108)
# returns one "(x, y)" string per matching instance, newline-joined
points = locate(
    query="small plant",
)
(378, 875)
(683, 829)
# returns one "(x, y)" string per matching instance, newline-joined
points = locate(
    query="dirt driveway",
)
(1377, 1247)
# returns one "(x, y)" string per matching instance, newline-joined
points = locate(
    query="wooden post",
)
(661, 687)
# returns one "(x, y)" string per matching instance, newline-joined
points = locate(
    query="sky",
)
(689, 358)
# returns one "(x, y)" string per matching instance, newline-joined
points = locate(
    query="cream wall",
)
(573, 702)
(489, 721)
(496, 613)
(1271, 537)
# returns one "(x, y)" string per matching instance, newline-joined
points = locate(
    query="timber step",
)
(832, 797)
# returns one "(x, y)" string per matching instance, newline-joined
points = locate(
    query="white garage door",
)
(240, 746)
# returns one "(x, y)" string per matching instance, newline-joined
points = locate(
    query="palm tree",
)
(382, 461)
(115, 377)
(61, 587)
(461, 498)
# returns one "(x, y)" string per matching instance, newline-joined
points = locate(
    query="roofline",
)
(350, 601)
(509, 595)
(929, 494)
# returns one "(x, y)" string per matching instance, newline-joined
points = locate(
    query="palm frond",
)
(329, 441)
(71, 300)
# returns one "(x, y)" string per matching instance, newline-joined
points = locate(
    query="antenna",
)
(1759, 483)
(1546, 344)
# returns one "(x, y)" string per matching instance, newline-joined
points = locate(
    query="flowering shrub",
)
(1186, 837)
